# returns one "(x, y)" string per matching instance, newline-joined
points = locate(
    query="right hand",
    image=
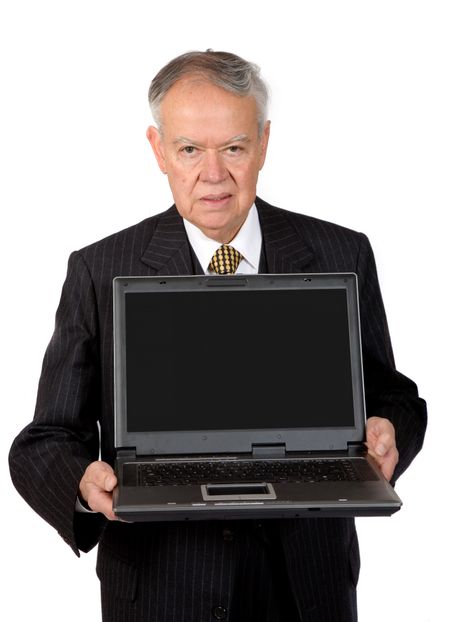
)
(96, 488)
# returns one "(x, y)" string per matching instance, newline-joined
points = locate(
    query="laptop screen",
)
(237, 359)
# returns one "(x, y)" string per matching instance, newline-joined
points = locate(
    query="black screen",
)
(243, 359)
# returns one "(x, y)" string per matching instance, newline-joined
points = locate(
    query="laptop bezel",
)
(163, 443)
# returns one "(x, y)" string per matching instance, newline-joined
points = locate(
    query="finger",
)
(100, 501)
(101, 475)
(384, 443)
(387, 463)
(380, 435)
(379, 425)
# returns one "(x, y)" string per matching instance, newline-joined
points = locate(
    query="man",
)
(211, 140)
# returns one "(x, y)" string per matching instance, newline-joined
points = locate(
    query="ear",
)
(264, 142)
(154, 138)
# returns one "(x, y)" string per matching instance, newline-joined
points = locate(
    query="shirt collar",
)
(247, 241)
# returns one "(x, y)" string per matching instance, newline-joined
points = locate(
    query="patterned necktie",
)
(225, 260)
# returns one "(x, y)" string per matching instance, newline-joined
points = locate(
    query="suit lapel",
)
(168, 252)
(286, 249)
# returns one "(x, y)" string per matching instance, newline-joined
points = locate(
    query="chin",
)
(215, 221)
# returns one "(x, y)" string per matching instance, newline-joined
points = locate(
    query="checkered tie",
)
(225, 260)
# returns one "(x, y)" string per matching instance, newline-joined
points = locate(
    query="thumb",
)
(110, 482)
(380, 449)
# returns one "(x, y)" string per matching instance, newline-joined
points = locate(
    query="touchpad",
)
(238, 492)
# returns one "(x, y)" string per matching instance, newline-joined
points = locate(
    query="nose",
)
(213, 168)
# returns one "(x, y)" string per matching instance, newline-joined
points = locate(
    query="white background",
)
(360, 136)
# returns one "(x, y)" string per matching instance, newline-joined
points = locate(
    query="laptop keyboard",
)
(274, 471)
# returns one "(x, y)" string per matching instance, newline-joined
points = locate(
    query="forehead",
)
(194, 104)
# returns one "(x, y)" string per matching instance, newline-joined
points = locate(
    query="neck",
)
(224, 237)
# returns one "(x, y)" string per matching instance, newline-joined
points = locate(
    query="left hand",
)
(380, 437)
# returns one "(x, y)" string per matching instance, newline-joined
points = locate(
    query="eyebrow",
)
(240, 138)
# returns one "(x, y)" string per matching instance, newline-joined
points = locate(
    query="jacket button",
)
(228, 535)
(219, 612)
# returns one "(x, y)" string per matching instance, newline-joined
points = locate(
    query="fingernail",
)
(110, 482)
(381, 449)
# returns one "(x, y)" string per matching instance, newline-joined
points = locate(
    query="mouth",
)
(216, 200)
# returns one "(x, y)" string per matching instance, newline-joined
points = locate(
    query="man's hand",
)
(96, 488)
(380, 436)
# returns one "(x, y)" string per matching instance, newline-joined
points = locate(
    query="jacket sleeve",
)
(49, 457)
(389, 393)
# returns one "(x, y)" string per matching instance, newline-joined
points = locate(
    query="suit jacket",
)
(163, 568)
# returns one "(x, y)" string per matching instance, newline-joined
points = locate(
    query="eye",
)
(234, 149)
(189, 150)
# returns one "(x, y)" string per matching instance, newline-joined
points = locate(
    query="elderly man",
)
(210, 140)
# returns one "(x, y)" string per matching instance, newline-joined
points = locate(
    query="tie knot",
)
(225, 260)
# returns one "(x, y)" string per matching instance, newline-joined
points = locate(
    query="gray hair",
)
(230, 72)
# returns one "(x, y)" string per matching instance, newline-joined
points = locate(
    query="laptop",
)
(241, 397)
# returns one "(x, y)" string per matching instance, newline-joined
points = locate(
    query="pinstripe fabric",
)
(163, 572)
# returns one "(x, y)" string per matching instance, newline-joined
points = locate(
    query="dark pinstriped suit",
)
(182, 571)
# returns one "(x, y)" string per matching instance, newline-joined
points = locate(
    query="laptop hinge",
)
(126, 452)
(356, 449)
(269, 450)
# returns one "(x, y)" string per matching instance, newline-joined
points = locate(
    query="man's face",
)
(212, 154)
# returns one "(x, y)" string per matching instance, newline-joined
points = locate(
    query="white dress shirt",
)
(248, 242)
